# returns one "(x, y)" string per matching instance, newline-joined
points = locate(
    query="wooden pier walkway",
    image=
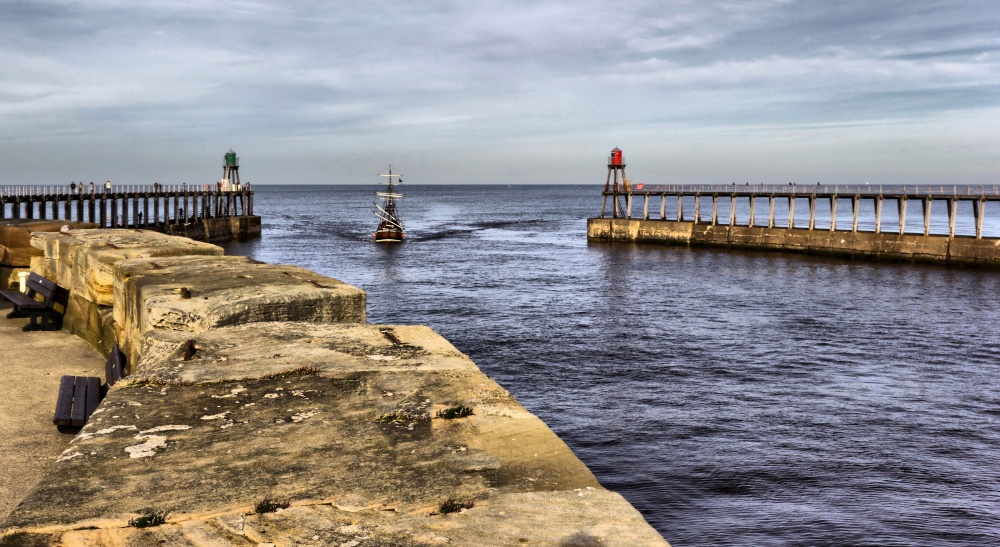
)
(136, 206)
(623, 197)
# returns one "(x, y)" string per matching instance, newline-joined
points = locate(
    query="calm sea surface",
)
(734, 398)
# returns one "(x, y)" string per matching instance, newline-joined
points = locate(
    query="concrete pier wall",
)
(938, 249)
(255, 382)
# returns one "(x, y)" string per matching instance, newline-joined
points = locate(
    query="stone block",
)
(15, 238)
(223, 291)
(338, 420)
(82, 261)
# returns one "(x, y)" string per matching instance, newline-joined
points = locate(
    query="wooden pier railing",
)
(139, 206)
(623, 197)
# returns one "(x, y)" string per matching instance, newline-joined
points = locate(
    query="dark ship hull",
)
(388, 235)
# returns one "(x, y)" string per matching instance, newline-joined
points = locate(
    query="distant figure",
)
(91, 187)
(107, 187)
(180, 213)
(248, 186)
(72, 187)
(139, 215)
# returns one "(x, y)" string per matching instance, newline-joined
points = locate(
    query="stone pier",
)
(262, 409)
(752, 233)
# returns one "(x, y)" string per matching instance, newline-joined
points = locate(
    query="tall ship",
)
(390, 228)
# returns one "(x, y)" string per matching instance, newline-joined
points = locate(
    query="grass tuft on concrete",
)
(267, 505)
(149, 519)
(457, 411)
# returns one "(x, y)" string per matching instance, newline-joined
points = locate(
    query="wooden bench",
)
(80, 395)
(27, 305)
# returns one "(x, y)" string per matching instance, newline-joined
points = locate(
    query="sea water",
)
(733, 398)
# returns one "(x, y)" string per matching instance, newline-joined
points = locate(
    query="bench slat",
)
(64, 402)
(78, 415)
(20, 298)
(93, 397)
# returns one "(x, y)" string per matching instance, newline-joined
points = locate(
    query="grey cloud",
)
(480, 81)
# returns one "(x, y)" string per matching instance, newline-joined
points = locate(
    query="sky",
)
(448, 92)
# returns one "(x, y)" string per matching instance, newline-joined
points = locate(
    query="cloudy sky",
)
(501, 92)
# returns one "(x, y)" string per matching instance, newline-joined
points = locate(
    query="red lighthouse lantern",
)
(615, 183)
(616, 157)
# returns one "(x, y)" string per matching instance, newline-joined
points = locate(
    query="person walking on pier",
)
(107, 187)
(91, 187)
(72, 187)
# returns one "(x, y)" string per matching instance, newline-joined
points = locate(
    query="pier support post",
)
(901, 204)
(41, 207)
(67, 209)
(697, 208)
(770, 214)
(855, 205)
(833, 213)
(732, 210)
(680, 207)
(791, 212)
(812, 211)
(978, 210)
(79, 208)
(927, 215)
(663, 207)
(753, 206)
(645, 207)
(878, 214)
(715, 209)
(952, 211)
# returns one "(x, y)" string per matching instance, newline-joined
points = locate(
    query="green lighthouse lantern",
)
(230, 172)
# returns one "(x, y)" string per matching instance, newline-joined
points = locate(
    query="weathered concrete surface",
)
(216, 229)
(82, 260)
(963, 251)
(32, 363)
(15, 238)
(91, 322)
(339, 421)
(224, 291)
